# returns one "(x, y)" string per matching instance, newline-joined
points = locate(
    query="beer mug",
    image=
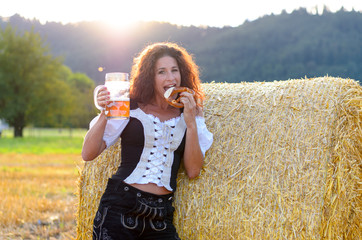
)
(118, 105)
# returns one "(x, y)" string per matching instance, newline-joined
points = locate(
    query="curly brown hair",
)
(143, 71)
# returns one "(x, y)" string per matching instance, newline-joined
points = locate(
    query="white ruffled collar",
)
(170, 122)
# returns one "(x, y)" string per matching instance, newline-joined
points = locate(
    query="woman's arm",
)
(193, 157)
(94, 144)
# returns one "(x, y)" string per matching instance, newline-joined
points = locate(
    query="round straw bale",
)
(285, 164)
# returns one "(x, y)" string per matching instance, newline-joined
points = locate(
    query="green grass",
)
(46, 132)
(43, 141)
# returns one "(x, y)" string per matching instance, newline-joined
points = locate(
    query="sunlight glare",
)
(119, 17)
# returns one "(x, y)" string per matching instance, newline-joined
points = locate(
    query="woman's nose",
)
(170, 76)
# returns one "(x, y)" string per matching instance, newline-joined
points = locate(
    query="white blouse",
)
(115, 127)
(157, 166)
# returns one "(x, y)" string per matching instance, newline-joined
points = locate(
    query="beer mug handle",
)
(95, 93)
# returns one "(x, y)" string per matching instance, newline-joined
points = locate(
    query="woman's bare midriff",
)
(151, 188)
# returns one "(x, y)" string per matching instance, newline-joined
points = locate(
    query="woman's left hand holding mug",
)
(103, 97)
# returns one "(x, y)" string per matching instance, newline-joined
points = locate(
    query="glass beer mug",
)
(118, 105)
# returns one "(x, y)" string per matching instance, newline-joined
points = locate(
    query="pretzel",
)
(173, 91)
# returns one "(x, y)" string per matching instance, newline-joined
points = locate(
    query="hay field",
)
(38, 182)
(38, 195)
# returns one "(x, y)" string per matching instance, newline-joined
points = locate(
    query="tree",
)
(30, 84)
(82, 108)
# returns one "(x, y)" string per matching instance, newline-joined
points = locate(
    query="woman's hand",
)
(193, 158)
(103, 97)
(191, 108)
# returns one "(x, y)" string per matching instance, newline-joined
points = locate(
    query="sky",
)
(120, 13)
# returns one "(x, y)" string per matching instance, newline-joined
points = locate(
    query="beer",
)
(117, 109)
(118, 105)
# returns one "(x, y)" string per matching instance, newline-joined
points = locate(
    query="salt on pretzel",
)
(173, 91)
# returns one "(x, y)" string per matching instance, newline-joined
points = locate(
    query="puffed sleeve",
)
(205, 137)
(112, 131)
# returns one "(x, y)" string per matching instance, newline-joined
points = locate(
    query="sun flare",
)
(119, 17)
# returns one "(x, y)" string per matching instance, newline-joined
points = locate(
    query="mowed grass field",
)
(38, 184)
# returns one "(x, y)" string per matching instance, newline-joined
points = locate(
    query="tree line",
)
(273, 47)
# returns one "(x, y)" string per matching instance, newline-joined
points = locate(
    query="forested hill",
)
(275, 47)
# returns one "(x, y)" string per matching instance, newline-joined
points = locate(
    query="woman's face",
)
(167, 75)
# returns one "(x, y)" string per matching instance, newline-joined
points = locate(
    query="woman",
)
(137, 203)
